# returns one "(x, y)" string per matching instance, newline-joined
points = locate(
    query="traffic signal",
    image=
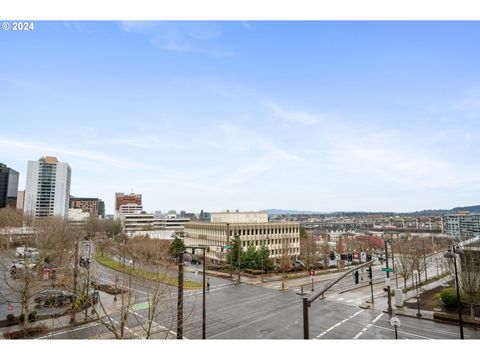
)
(355, 274)
(369, 257)
(385, 289)
(332, 256)
(369, 272)
(350, 257)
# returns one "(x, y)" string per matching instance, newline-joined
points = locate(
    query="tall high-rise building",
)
(47, 192)
(122, 199)
(8, 186)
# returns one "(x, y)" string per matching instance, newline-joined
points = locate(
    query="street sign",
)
(387, 269)
(394, 321)
(227, 246)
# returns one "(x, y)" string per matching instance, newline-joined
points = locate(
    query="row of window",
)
(262, 231)
(269, 242)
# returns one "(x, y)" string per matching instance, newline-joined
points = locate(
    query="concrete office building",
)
(8, 187)
(20, 200)
(94, 206)
(47, 192)
(253, 228)
(464, 225)
(137, 222)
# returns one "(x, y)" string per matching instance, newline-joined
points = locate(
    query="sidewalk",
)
(62, 323)
(381, 303)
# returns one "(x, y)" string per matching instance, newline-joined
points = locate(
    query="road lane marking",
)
(157, 324)
(339, 323)
(294, 304)
(127, 328)
(68, 331)
(366, 327)
(402, 332)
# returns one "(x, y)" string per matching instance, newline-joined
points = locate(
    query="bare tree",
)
(404, 259)
(470, 277)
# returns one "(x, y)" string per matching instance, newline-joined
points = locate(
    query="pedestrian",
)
(208, 284)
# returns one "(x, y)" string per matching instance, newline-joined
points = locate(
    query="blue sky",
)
(326, 116)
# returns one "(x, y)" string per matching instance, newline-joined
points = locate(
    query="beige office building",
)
(253, 228)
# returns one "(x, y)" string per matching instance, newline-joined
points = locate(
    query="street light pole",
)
(452, 254)
(416, 275)
(204, 311)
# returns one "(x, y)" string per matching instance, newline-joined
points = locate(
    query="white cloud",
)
(293, 117)
(46, 149)
(181, 36)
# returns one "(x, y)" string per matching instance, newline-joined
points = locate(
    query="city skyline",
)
(335, 116)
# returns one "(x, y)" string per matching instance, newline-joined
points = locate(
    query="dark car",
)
(55, 297)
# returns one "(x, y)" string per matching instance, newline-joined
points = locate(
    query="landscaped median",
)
(149, 275)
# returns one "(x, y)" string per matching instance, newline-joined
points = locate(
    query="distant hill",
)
(291, 212)
(472, 209)
(431, 212)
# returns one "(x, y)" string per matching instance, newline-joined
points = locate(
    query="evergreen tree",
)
(232, 256)
(176, 246)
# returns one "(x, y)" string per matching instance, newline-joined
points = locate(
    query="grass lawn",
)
(149, 275)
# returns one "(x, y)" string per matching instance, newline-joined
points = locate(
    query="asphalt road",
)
(255, 312)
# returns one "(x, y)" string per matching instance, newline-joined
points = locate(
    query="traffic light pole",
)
(180, 297)
(388, 281)
(371, 282)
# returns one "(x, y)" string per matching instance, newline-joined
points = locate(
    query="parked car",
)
(20, 265)
(196, 262)
(301, 263)
(54, 296)
(22, 252)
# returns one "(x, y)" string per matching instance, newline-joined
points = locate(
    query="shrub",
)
(21, 318)
(32, 316)
(449, 297)
(25, 333)
(10, 317)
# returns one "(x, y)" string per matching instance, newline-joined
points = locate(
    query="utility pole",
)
(87, 264)
(371, 281)
(204, 311)
(239, 242)
(393, 265)
(75, 277)
(228, 243)
(424, 259)
(180, 297)
(388, 281)
(262, 252)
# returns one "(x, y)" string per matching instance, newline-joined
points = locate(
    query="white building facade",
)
(47, 191)
(280, 238)
(464, 225)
